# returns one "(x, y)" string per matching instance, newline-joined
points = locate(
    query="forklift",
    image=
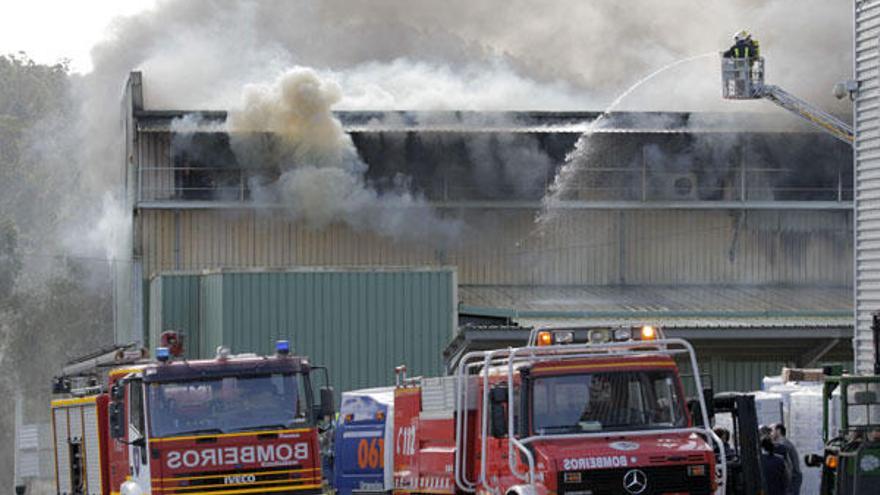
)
(744, 474)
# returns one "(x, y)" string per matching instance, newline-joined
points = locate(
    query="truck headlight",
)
(697, 470)
(572, 477)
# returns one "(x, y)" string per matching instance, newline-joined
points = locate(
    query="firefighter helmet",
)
(741, 35)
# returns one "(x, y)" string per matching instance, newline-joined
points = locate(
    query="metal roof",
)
(751, 327)
(687, 306)
(741, 320)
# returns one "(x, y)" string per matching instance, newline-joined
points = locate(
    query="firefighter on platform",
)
(743, 47)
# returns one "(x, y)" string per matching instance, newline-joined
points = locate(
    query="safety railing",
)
(643, 184)
(742, 78)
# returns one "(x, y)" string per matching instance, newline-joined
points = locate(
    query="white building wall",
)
(866, 115)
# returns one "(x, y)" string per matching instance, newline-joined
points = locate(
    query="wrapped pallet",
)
(785, 390)
(768, 406)
(805, 432)
(769, 381)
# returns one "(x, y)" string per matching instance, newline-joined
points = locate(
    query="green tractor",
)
(851, 430)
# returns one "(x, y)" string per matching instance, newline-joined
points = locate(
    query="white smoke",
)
(198, 53)
(404, 84)
(322, 177)
(490, 55)
(109, 236)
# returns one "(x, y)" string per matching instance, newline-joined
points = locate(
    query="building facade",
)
(739, 238)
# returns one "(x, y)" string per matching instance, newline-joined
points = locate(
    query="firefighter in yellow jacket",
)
(744, 46)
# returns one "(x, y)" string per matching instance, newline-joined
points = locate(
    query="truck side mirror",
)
(328, 402)
(498, 399)
(117, 420)
(117, 392)
(814, 460)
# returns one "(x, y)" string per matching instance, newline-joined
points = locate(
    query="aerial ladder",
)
(743, 79)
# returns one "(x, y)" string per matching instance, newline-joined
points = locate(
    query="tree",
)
(67, 313)
(10, 262)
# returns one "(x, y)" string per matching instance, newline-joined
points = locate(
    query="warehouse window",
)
(205, 167)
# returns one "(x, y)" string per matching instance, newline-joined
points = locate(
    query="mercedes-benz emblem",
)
(635, 481)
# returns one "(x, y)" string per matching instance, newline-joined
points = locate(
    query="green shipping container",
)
(174, 305)
(360, 323)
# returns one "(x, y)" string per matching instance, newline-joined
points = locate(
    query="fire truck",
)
(234, 424)
(608, 416)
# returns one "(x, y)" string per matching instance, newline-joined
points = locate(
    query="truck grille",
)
(660, 480)
(279, 481)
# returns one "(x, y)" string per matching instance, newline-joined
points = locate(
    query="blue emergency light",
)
(282, 347)
(162, 354)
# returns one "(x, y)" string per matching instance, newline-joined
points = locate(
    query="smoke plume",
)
(322, 176)
(491, 54)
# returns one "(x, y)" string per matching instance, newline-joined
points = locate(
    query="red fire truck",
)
(558, 417)
(229, 425)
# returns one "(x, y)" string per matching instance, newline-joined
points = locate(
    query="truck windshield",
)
(227, 404)
(625, 400)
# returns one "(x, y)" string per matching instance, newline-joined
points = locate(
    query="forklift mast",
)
(744, 471)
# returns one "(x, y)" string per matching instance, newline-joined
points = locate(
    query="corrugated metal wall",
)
(588, 247)
(740, 374)
(359, 323)
(867, 176)
(154, 156)
(174, 305)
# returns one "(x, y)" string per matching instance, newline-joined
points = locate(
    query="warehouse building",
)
(734, 232)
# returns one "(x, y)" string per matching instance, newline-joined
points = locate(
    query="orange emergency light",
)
(649, 333)
(831, 462)
(544, 338)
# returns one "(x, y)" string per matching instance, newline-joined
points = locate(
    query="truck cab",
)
(556, 417)
(233, 424)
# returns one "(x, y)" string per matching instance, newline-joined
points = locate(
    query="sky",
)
(51, 30)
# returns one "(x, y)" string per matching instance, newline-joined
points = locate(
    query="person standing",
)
(724, 435)
(797, 476)
(776, 479)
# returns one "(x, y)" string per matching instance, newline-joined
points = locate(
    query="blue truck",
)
(361, 464)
